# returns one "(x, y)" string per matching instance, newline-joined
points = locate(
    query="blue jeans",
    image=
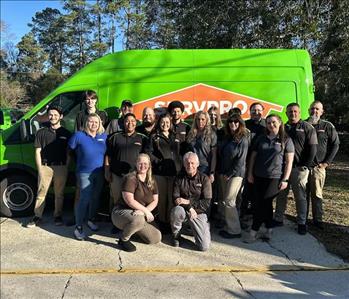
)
(91, 185)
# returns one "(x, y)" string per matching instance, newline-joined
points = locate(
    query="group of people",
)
(165, 175)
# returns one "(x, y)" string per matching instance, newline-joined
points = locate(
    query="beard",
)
(314, 119)
(147, 124)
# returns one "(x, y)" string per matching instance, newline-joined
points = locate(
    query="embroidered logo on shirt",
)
(100, 139)
(300, 130)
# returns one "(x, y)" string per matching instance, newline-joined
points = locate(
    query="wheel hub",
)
(18, 196)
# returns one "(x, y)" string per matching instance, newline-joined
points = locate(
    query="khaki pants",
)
(165, 205)
(135, 224)
(115, 187)
(59, 175)
(298, 181)
(316, 182)
(230, 190)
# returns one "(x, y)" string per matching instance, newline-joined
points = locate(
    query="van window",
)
(71, 104)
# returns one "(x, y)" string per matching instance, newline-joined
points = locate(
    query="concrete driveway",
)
(47, 262)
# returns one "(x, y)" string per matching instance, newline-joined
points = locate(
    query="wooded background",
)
(61, 42)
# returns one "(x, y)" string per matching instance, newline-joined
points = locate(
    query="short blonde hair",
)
(100, 127)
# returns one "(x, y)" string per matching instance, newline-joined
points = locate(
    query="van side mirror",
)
(23, 130)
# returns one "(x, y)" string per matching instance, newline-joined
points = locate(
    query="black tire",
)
(18, 194)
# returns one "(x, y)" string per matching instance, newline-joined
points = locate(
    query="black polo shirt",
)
(123, 151)
(181, 130)
(328, 142)
(270, 158)
(165, 152)
(303, 136)
(81, 117)
(256, 128)
(141, 129)
(198, 189)
(53, 144)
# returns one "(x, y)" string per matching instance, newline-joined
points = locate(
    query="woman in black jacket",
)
(166, 160)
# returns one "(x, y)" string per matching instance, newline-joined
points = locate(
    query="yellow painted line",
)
(173, 270)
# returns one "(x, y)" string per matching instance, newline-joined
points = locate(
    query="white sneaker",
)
(79, 234)
(92, 226)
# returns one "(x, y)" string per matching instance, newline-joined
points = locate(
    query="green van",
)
(199, 78)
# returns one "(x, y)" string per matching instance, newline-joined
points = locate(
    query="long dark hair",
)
(281, 135)
(240, 132)
(166, 115)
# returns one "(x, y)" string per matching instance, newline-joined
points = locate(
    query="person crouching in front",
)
(133, 215)
(192, 194)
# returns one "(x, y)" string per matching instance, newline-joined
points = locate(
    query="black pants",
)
(265, 190)
(247, 202)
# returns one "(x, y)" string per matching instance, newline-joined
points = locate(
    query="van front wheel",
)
(17, 195)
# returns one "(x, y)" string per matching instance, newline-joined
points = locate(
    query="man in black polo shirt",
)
(192, 194)
(148, 126)
(123, 149)
(305, 142)
(90, 107)
(326, 151)
(181, 128)
(51, 161)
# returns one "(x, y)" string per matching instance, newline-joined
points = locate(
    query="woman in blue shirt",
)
(90, 147)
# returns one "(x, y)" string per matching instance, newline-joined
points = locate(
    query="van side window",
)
(71, 104)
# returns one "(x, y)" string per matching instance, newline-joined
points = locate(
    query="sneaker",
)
(319, 224)
(58, 220)
(79, 234)
(276, 223)
(251, 237)
(34, 222)
(175, 240)
(224, 234)
(127, 245)
(92, 226)
(302, 229)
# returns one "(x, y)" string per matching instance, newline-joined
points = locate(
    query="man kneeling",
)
(192, 194)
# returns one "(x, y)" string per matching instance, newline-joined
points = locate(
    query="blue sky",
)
(18, 13)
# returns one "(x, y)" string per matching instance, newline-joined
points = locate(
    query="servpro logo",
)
(202, 97)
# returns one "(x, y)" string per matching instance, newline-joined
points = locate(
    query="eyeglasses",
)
(235, 121)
